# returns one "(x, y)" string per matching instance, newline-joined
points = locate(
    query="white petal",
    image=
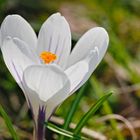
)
(95, 37)
(55, 37)
(90, 49)
(76, 73)
(47, 85)
(33, 100)
(80, 72)
(57, 99)
(0, 39)
(15, 60)
(26, 50)
(16, 26)
(45, 80)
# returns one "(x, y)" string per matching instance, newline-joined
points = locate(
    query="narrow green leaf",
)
(63, 132)
(106, 107)
(8, 123)
(72, 109)
(91, 111)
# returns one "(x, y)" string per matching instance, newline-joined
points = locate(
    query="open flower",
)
(45, 67)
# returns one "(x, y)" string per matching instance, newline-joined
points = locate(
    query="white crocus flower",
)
(44, 67)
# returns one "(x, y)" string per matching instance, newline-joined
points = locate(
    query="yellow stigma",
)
(47, 57)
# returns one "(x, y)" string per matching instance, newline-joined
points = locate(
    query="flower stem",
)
(39, 130)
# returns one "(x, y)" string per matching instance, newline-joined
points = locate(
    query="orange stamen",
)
(47, 57)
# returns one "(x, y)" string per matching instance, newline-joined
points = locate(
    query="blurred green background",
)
(119, 71)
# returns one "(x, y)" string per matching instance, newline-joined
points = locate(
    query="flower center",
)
(48, 57)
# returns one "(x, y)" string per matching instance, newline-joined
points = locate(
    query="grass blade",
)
(8, 123)
(72, 109)
(106, 107)
(63, 132)
(91, 111)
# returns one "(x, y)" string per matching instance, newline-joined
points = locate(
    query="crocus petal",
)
(57, 99)
(80, 72)
(55, 37)
(95, 37)
(33, 100)
(26, 50)
(47, 85)
(45, 80)
(15, 60)
(76, 73)
(0, 39)
(16, 26)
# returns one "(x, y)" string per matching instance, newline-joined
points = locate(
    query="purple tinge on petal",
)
(17, 74)
(52, 113)
(22, 86)
(40, 125)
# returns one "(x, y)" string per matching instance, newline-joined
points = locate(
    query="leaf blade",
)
(72, 109)
(8, 123)
(91, 111)
(63, 132)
